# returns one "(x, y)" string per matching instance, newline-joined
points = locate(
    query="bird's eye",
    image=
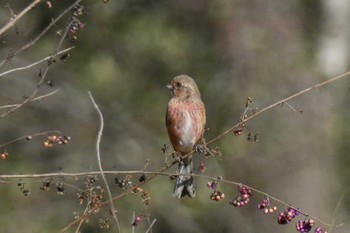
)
(178, 84)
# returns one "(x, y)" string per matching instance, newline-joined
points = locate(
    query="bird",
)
(185, 123)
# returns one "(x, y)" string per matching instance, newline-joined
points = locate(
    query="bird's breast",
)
(185, 125)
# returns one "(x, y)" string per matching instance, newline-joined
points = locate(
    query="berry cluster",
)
(103, 223)
(212, 184)
(124, 182)
(45, 185)
(266, 207)
(52, 139)
(320, 230)
(243, 198)
(238, 131)
(217, 195)
(24, 190)
(305, 226)
(287, 215)
(76, 25)
(60, 186)
(145, 195)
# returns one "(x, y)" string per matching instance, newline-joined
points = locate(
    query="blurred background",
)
(126, 53)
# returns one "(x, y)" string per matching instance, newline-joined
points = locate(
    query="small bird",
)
(185, 121)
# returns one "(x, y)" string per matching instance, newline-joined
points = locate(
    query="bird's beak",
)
(169, 86)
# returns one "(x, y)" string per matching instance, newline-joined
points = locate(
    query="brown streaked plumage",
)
(185, 121)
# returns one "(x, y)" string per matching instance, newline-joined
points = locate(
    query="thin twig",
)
(43, 77)
(28, 98)
(35, 99)
(133, 225)
(336, 210)
(279, 103)
(33, 42)
(36, 63)
(113, 210)
(150, 227)
(148, 218)
(12, 22)
(79, 225)
(30, 135)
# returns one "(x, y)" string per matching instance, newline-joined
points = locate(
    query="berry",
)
(47, 144)
(320, 230)
(202, 167)
(217, 195)
(287, 215)
(4, 155)
(264, 205)
(305, 226)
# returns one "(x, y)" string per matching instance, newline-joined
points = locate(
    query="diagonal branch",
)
(31, 135)
(34, 99)
(12, 22)
(32, 42)
(113, 210)
(43, 76)
(35, 63)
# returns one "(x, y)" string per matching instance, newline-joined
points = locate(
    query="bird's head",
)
(183, 86)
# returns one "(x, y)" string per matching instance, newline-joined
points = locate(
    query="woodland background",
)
(126, 53)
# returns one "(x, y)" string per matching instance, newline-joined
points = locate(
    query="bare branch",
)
(43, 76)
(113, 210)
(32, 42)
(346, 74)
(26, 137)
(35, 99)
(150, 227)
(37, 62)
(12, 22)
(154, 174)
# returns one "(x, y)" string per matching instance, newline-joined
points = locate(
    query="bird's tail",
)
(184, 181)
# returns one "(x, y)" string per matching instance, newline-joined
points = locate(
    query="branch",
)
(60, 174)
(154, 175)
(113, 210)
(43, 75)
(12, 22)
(32, 42)
(34, 99)
(26, 137)
(346, 74)
(36, 63)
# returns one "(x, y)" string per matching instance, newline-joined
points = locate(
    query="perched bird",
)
(185, 121)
